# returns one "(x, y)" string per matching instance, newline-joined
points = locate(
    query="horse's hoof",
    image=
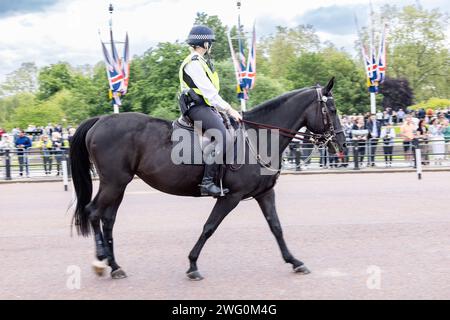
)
(194, 276)
(302, 269)
(118, 274)
(99, 267)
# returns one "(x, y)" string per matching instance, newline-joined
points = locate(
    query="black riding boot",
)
(208, 188)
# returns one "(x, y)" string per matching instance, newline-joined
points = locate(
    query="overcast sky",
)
(48, 31)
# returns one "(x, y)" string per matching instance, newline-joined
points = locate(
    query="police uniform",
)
(198, 74)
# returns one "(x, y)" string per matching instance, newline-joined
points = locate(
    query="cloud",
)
(24, 6)
(334, 19)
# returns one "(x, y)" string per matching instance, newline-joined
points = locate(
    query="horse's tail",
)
(81, 176)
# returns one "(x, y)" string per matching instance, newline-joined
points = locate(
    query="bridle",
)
(330, 131)
(318, 140)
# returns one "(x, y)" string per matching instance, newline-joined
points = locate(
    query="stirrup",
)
(204, 190)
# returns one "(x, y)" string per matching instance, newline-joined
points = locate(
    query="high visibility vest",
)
(186, 81)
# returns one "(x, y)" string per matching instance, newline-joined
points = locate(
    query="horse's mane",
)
(268, 106)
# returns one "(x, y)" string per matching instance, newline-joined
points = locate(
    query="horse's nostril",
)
(344, 145)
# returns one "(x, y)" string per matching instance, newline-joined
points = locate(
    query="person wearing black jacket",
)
(359, 135)
(374, 128)
(23, 143)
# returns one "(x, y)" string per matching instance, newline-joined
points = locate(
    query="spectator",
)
(388, 136)
(437, 141)
(446, 131)
(421, 114)
(347, 127)
(6, 143)
(394, 117)
(49, 129)
(2, 132)
(407, 132)
(422, 141)
(374, 127)
(387, 118)
(23, 143)
(400, 115)
(379, 115)
(323, 162)
(58, 128)
(307, 147)
(359, 136)
(15, 133)
(415, 120)
(71, 132)
(57, 146)
(46, 146)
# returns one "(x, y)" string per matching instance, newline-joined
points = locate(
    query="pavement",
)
(374, 236)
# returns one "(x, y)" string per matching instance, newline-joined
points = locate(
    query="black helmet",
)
(199, 35)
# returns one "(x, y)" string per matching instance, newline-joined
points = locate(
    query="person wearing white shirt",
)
(200, 82)
(388, 136)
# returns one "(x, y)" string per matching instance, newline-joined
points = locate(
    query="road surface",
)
(377, 236)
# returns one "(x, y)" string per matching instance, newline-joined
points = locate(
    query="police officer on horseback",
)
(200, 82)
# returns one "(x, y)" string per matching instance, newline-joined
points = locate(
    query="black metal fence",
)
(35, 163)
(32, 163)
(368, 154)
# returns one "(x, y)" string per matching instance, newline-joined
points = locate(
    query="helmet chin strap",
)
(208, 55)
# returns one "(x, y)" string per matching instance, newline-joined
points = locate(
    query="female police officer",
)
(197, 73)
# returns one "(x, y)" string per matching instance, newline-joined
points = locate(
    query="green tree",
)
(155, 91)
(418, 50)
(318, 68)
(54, 78)
(23, 79)
(283, 48)
(38, 114)
(9, 105)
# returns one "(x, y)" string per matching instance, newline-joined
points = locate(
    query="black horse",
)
(124, 145)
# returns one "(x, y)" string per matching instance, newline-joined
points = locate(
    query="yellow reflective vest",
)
(186, 81)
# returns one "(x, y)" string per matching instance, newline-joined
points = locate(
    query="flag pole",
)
(111, 10)
(243, 102)
(373, 101)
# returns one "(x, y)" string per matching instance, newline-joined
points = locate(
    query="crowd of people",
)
(49, 142)
(427, 130)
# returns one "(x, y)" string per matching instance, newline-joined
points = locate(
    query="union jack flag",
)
(118, 70)
(113, 71)
(126, 66)
(242, 90)
(250, 75)
(382, 58)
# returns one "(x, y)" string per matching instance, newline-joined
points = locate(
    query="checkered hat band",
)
(201, 37)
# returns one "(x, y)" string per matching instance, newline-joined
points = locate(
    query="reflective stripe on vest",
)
(213, 76)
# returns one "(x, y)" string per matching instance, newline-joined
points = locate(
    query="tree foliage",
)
(397, 93)
(290, 58)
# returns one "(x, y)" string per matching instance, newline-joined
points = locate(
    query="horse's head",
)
(322, 118)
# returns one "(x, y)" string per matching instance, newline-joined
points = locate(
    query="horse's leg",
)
(221, 209)
(108, 220)
(267, 205)
(104, 208)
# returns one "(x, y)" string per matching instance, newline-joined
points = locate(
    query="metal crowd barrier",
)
(369, 154)
(33, 163)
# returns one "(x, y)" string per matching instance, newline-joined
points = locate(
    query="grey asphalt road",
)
(374, 236)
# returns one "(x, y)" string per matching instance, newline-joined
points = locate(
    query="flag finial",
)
(111, 8)
(239, 3)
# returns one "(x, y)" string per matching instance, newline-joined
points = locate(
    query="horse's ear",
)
(328, 88)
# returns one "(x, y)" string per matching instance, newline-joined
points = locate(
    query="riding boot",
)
(208, 188)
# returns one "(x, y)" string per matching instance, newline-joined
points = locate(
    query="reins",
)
(319, 140)
(283, 131)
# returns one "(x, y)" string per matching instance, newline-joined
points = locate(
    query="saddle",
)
(194, 134)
